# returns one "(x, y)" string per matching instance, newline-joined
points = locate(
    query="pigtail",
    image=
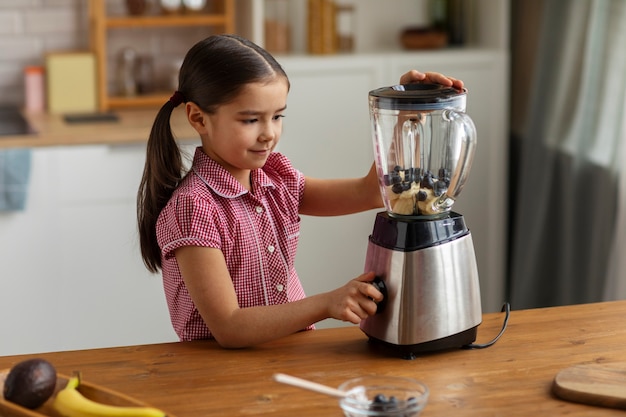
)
(162, 173)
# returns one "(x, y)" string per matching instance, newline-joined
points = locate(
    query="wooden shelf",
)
(221, 18)
(167, 21)
(148, 100)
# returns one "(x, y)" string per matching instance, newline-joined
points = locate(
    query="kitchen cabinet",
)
(326, 135)
(72, 275)
(220, 18)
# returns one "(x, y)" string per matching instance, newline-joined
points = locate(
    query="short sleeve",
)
(187, 220)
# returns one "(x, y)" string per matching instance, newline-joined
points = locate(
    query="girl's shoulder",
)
(193, 190)
(277, 161)
(279, 168)
(283, 175)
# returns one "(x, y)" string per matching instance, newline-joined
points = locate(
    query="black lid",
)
(408, 234)
(418, 97)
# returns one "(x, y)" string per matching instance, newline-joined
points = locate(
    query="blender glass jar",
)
(424, 145)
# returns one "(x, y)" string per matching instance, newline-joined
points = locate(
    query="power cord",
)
(506, 308)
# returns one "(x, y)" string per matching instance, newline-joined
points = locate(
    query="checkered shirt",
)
(257, 233)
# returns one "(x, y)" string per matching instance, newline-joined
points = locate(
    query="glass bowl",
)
(383, 396)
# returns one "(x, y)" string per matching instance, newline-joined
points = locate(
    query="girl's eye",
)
(255, 120)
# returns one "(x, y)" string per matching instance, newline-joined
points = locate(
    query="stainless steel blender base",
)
(433, 296)
(454, 341)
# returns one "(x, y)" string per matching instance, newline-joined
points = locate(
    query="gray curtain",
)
(567, 142)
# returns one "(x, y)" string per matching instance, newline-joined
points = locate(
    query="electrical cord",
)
(506, 308)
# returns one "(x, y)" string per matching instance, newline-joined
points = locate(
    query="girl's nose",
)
(269, 133)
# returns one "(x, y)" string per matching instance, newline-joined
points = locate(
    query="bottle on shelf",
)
(345, 27)
(456, 15)
(126, 72)
(34, 88)
(276, 25)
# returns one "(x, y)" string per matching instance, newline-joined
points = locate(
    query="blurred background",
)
(545, 199)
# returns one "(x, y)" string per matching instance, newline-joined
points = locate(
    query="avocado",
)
(30, 383)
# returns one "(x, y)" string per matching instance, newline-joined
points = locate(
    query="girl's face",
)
(241, 134)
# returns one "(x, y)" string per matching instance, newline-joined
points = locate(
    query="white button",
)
(270, 248)
(259, 209)
(280, 287)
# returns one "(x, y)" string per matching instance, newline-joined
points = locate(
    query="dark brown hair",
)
(213, 73)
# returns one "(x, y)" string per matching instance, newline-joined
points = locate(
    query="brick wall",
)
(30, 28)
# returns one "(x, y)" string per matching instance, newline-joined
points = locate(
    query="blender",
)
(420, 250)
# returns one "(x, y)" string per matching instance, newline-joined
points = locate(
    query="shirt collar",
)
(221, 181)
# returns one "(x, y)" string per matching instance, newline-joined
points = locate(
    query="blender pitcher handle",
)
(460, 124)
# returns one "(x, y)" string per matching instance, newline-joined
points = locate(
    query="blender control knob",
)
(380, 286)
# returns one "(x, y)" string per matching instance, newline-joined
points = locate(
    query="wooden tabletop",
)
(130, 126)
(511, 378)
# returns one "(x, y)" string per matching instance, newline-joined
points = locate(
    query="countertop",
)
(131, 126)
(511, 378)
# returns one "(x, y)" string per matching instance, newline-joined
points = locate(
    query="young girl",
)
(225, 233)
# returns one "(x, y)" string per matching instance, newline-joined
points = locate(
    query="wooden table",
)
(511, 378)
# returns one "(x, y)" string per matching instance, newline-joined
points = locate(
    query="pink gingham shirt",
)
(256, 231)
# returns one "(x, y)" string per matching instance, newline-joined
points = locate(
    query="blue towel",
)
(14, 176)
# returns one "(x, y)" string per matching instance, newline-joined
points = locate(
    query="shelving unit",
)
(221, 17)
(377, 24)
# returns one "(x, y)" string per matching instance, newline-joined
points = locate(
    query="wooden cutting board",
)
(594, 384)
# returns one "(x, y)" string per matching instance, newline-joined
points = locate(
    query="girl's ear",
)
(197, 118)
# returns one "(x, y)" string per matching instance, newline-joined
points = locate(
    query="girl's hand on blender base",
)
(356, 300)
(415, 76)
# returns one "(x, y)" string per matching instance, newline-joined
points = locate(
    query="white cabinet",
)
(72, 276)
(326, 135)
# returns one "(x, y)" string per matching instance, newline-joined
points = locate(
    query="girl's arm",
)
(211, 289)
(334, 197)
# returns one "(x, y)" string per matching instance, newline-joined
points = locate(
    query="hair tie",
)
(177, 98)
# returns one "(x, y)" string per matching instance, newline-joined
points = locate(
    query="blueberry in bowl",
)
(383, 396)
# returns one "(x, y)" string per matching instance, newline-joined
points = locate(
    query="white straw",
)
(310, 385)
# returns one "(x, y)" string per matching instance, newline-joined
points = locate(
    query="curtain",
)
(567, 229)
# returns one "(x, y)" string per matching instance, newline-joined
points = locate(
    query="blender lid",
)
(418, 97)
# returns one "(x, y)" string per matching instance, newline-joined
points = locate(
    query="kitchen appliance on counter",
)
(12, 122)
(422, 251)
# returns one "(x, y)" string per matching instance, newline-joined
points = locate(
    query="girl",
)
(225, 234)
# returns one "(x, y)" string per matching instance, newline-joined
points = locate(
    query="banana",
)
(69, 402)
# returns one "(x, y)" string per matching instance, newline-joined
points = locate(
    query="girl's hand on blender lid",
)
(415, 76)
